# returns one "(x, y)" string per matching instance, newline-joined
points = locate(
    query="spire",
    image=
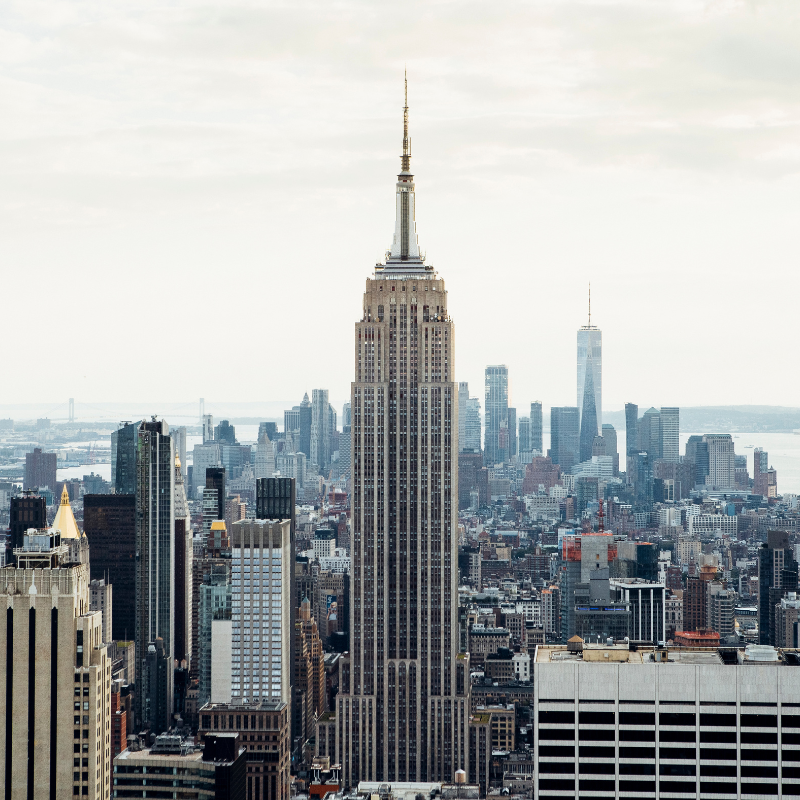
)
(64, 496)
(405, 247)
(590, 304)
(405, 159)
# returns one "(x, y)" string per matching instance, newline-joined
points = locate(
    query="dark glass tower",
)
(564, 436)
(155, 575)
(215, 479)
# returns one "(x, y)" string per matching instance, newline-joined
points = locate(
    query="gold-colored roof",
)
(65, 519)
(218, 525)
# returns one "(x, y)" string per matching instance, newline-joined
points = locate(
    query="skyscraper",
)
(496, 410)
(760, 468)
(536, 427)
(512, 432)
(670, 434)
(590, 359)
(155, 576)
(463, 397)
(320, 429)
(564, 436)
(589, 420)
(403, 706)
(183, 569)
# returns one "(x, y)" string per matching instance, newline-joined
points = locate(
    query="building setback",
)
(403, 707)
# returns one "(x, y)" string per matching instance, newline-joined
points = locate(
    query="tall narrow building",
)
(590, 358)
(155, 576)
(495, 448)
(403, 707)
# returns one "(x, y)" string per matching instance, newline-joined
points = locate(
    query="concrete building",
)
(55, 738)
(721, 462)
(40, 470)
(217, 772)
(310, 699)
(264, 730)
(100, 599)
(261, 609)
(629, 723)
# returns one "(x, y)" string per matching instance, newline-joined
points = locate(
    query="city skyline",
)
(572, 163)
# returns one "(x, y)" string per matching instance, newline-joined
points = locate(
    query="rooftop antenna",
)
(406, 159)
(590, 304)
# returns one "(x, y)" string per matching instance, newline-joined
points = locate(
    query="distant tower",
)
(496, 408)
(202, 409)
(72, 409)
(590, 353)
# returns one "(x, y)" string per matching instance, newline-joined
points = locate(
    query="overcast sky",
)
(193, 193)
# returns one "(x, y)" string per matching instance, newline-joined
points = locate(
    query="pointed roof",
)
(65, 519)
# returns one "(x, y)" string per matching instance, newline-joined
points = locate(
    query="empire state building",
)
(403, 709)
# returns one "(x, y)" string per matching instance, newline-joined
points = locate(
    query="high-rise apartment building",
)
(55, 735)
(495, 448)
(537, 442)
(109, 522)
(590, 369)
(670, 434)
(564, 436)
(262, 562)
(40, 470)
(155, 576)
(403, 707)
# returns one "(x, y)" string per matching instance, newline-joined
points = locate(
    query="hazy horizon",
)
(199, 184)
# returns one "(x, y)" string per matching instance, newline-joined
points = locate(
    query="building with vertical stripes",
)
(402, 713)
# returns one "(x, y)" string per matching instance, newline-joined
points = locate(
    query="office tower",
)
(721, 463)
(404, 696)
(268, 428)
(697, 454)
(590, 367)
(472, 426)
(706, 726)
(265, 457)
(109, 522)
(309, 702)
(267, 765)
(225, 433)
(155, 576)
(496, 409)
(217, 772)
(262, 563)
(611, 447)
(204, 456)
(347, 415)
(564, 436)
(208, 428)
(320, 429)
(537, 442)
(524, 438)
(215, 479)
(463, 397)
(588, 413)
(305, 413)
(649, 434)
(777, 575)
(183, 570)
(54, 667)
(40, 470)
(512, 432)
(123, 458)
(760, 468)
(101, 599)
(27, 511)
(670, 434)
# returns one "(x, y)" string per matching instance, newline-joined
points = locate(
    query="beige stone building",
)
(55, 674)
